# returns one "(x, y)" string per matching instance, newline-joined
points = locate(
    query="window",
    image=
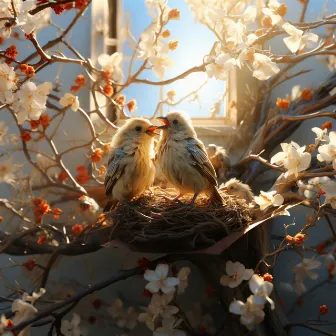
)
(208, 106)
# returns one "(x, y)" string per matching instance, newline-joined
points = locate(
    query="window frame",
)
(108, 42)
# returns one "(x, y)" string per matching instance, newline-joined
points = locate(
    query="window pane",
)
(195, 40)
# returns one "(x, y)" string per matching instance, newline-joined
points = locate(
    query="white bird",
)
(183, 158)
(130, 166)
(238, 189)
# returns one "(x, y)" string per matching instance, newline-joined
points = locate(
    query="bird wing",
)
(115, 170)
(201, 160)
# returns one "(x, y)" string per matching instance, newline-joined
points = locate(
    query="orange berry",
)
(34, 124)
(80, 80)
(77, 229)
(30, 71)
(267, 22)
(282, 103)
(282, 10)
(165, 33)
(106, 74)
(268, 277)
(289, 238)
(174, 14)
(41, 240)
(324, 310)
(108, 90)
(120, 100)
(306, 94)
(25, 136)
(29, 264)
(11, 51)
(80, 4)
(23, 67)
(45, 121)
(250, 55)
(106, 148)
(57, 212)
(131, 105)
(1, 219)
(62, 176)
(173, 44)
(299, 238)
(321, 247)
(74, 88)
(327, 125)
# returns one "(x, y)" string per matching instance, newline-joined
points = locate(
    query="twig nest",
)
(176, 226)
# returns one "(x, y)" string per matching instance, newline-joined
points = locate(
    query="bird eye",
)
(138, 128)
(231, 188)
(175, 121)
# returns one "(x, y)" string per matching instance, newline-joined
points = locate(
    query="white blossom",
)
(220, 66)
(4, 323)
(70, 100)
(113, 64)
(7, 171)
(250, 312)
(296, 92)
(5, 30)
(330, 193)
(7, 78)
(159, 64)
(71, 328)
(236, 273)
(116, 309)
(321, 135)
(159, 280)
(23, 311)
(35, 296)
(293, 158)
(261, 289)
(266, 199)
(169, 327)
(327, 153)
(306, 269)
(263, 67)
(124, 318)
(311, 189)
(330, 264)
(297, 39)
(31, 100)
(3, 131)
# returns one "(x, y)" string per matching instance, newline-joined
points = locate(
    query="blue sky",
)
(195, 40)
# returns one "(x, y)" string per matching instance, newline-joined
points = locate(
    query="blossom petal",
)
(151, 275)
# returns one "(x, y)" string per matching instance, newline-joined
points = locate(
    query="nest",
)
(176, 226)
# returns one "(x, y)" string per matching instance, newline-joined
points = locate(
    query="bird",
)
(258, 236)
(220, 160)
(130, 168)
(183, 158)
(238, 189)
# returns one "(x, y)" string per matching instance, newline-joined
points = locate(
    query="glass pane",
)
(195, 40)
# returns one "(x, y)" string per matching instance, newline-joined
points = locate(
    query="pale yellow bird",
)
(130, 167)
(220, 161)
(238, 189)
(183, 158)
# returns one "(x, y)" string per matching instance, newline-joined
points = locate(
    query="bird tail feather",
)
(216, 197)
(111, 204)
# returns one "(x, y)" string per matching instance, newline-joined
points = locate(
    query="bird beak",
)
(225, 189)
(151, 130)
(165, 121)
